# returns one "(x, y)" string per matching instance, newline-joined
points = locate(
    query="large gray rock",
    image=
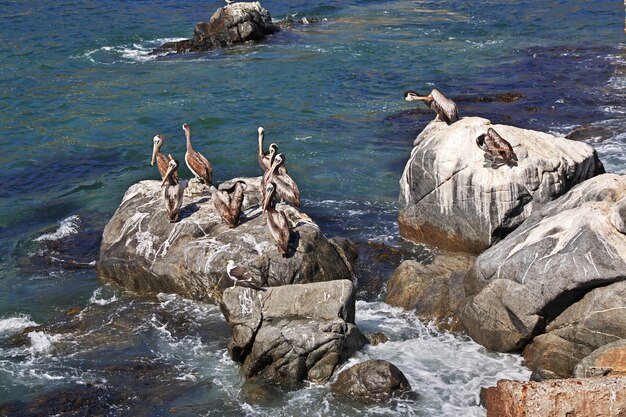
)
(434, 291)
(371, 381)
(559, 254)
(234, 23)
(450, 199)
(145, 253)
(291, 333)
(596, 320)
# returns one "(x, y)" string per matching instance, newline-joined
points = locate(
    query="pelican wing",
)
(444, 107)
(221, 202)
(163, 162)
(199, 166)
(287, 189)
(236, 201)
(279, 229)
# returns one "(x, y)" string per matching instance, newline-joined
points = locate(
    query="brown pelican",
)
(162, 160)
(276, 220)
(228, 202)
(265, 158)
(286, 187)
(173, 193)
(496, 146)
(197, 164)
(444, 107)
(241, 276)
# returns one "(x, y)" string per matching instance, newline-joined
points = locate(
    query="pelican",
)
(241, 276)
(276, 220)
(173, 193)
(286, 187)
(265, 158)
(162, 160)
(197, 164)
(228, 202)
(496, 146)
(444, 107)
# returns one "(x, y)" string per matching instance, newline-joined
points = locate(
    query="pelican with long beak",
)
(497, 147)
(174, 191)
(228, 202)
(445, 108)
(240, 276)
(286, 187)
(162, 160)
(276, 220)
(199, 166)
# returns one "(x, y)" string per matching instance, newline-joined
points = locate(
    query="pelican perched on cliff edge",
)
(162, 160)
(286, 187)
(173, 192)
(496, 146)
(199, 166)
(228, 202)
(265, 158)
(445, 108)
(276, 220)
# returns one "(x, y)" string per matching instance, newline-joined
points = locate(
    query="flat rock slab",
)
(562, 252)
(371, 381)
(599, 397)
(143, 252)
(449, 198)
(292, 333)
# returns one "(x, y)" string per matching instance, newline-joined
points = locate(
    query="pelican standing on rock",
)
(241, 276)
(286, 187)
(496, 146)
(444, 107)
(162, 160)
(265, 158)
(173, 193)
(228, 202)
(276, 220)
(197, 164)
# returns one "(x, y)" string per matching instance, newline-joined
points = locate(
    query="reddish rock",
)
(597, 397)
(608, 360)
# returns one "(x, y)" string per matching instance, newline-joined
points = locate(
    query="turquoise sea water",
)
(81, 99)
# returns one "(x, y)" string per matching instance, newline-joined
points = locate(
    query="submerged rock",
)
(452, 199)
(291, 333)
(558, 398)
(145, 253)
(371, 381)
(434, 291)
(562, 252)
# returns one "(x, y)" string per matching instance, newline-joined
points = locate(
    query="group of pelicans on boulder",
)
(277, 184)
(228, 202)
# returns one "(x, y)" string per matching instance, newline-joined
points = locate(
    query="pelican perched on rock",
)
(228, 202)
(276, 220)
(241, 276)
(286, 187)
(265, 158)
(444, 107)
(496, 146)
(162, 160)
(173, 193)
(197, 164)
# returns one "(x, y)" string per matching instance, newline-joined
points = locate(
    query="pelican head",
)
(480, 141)
(412, 96)
(244, 186)
(186, 129)
(261, 131)
(157, 141)
(270, 187)
(171, 167)
(273, 148)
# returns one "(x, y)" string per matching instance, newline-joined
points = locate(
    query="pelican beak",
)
(167, 175)
(154, 151)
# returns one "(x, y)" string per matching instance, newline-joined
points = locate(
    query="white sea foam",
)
(41, 342)
(103, 296)
(13, 324)
(67, 227)
(133, 52)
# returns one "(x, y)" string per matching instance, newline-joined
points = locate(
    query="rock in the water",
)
(234, 23)
(371, 381)
(434, 291)
(291, 333)
(558, 255)
(596, 320)
(377, 338)
(145, 253)
(608, 360)
(604, 397)
(452, 199)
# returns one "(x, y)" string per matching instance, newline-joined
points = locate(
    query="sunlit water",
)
(81, 98)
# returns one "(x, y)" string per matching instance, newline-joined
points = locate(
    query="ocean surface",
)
(81, 99)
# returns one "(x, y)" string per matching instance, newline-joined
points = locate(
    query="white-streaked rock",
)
(449, 196)
(143, 252)
(558, 255)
